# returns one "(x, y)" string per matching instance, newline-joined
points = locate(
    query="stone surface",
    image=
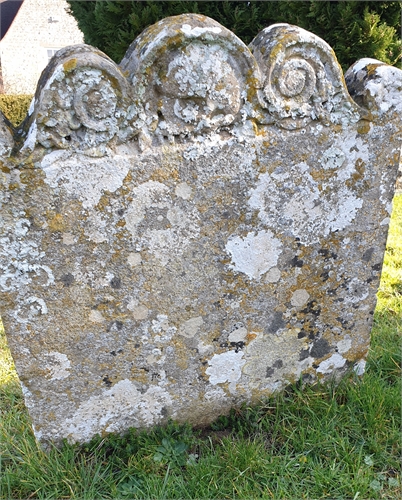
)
(194, 229)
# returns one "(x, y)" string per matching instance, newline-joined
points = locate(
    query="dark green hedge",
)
(354, 29)
(15, 107)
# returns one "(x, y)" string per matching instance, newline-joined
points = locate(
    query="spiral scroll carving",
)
(81, 102)
(191, 72)
(303, 81)
(198, 99)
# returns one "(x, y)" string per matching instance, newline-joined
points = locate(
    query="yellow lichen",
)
(70, 65)
(363, 127)
(56, 222)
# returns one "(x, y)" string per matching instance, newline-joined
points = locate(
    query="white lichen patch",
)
(29, 310)
(360, 367)
(183, 190)
(197, 31)
(86, 178)
(134, 259)
(385, 89)
(30, 141)
(238, 335)
(57, 364)
(225, 367)
(255, 254)
(205, 349)
(68, 239)
(299, 298)
(273, 275)
(115, 410)
(309, 208)
(333, 158)
(96, 317)
(21, 259)
(97, 228)
(153, 204)
(191, 327)
(344, 345)
(161, 324)
(140, 312)
(334, 362)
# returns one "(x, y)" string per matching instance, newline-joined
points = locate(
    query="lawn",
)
(325, 441)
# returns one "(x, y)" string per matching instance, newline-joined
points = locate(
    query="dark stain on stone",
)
(302, 334)
(278, 363)
(115, 326)
(312, 308)
(270, 371)
(342, 321)
(307, 378)
(304, 353)
(324, 275)
(368, 254)
(120, 212)
(376, 267)
(324, 252)
(106, 380)
(276, 323)
(296, 262)
(320, 348)
(67, 279)
(237, 345)
(115, 282)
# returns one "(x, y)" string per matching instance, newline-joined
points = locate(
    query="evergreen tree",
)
(354, 29)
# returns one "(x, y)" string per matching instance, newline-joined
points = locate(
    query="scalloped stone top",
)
(182, 77)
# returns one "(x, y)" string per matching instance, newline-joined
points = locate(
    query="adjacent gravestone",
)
(198, 227)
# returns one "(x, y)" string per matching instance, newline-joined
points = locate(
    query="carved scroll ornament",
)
(184, 76)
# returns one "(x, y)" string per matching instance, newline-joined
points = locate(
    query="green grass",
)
(338, 442)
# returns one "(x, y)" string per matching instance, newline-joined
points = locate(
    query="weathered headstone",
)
(195, 228)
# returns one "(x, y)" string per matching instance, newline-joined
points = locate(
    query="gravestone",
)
(195, 228)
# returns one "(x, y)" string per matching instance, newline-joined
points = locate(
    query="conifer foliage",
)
(353, 29)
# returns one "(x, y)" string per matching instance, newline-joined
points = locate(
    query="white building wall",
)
(38, 26)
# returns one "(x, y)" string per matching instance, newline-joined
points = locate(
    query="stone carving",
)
(82, 102)
(192, 76)
(178, 237)
(303, 81)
